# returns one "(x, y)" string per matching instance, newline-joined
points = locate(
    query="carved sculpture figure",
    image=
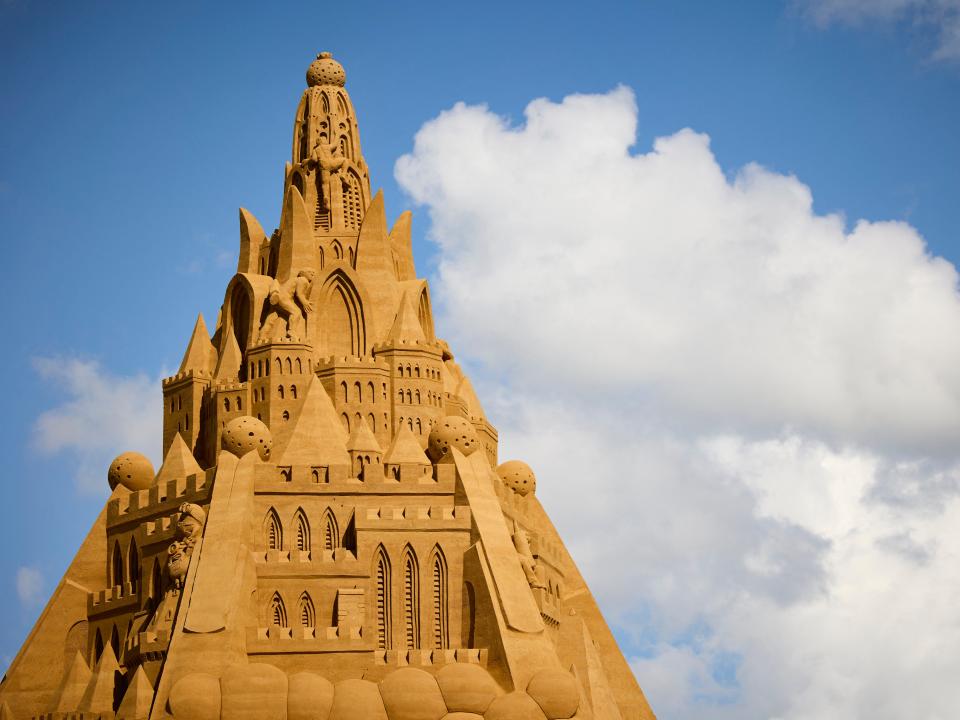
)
(190, 522)
(521, 542)
(290, 304)
(325, 157)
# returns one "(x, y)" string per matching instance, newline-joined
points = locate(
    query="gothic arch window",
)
(372, 422)
(411, 599)
(425, 315)
(279, 367)
(280, 391)
(469, 614)
(117, 564)
(358, 392)
(306, 611)
(277, 611)
(418, 396)
(353, 262)
(97, 647)
(299, 366)
(133, 562)
(289, 365)
(239, 407)
(416, 371)
(381, 572)
(399, 395)
(410, 424)
(353, 201)
(342, 106)
(346, 422)
(226, 404)
(115, 642)
(343, 391)
(156, 583)
(409, 397)
(343, 323)
(357, 419)
(331, 532)
(293, 392)
(384, 391)
(272, 531)
(419, 427)
(337, 249)
(371, 392)
(302, 530)
(438, 589)
(321, 249)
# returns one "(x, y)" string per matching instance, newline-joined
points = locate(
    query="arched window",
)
(186, 418)
(358, 392)
(279, 366)
(384, 391)
(302, 528)
(410, 424)
(416, 370)
(417, 396)
(409, 397)
(133, 564)
(346, 422)
(259, 368)
(117, 565)
(115, 642)
(156, 583)
(272, 531)
(372, 422)
(411, 599)
(371, 393)
(469, 614)
(280, 391)
(226, 404)
(277, 612)
(384, 619)
(239, 404)
(399, 395)
(343, 391)
(337, 249)
(419, 427)
(289, 365)
(293, 392)
(299, 366)
(97, 647)
(305, 610)
(331, 532)
(438, 587)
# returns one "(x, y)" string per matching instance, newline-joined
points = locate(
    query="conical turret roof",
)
(362, 439)
(405, 449)
(200, 355)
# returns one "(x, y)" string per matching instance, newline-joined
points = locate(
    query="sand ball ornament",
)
(132, 470)
(452, 431)
(243, 434)
(517, 476)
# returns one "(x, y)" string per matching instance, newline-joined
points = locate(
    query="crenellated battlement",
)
(162, 498)
(119, 598)
(188, 375)
(276, 640)
(422, 517)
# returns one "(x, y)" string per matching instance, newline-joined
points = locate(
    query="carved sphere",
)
(412, 694)
(517, 476)
(132, 470)
(556, 692)
(245, 433)
(326, 71)
(196, 697)
(452, 431)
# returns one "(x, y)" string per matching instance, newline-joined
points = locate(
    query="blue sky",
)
(132, 132)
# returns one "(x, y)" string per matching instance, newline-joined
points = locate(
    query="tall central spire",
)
(327, 166)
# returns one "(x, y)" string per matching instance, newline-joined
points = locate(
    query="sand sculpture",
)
(331, 535)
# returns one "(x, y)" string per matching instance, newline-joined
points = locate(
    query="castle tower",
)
(330, 534)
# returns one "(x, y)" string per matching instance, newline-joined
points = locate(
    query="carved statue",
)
(522, 543)
(189, 529)
(290, 304)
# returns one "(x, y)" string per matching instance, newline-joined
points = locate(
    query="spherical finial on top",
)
(326, 71)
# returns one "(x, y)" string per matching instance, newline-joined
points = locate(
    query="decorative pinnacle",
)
(326, 71)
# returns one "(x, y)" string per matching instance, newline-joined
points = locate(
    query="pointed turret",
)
(406, 327)
(252, 238)
(99, 695)
(374, 254)
(405, 458)
(317, 437)
(402, 246)
(228, 367)
(178, 463)
(73, 685)
(200, 356)
(137, 699)
(297, 246)
(366, 455)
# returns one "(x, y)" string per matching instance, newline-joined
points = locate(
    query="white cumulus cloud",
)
(101, 415)
(29, 583)
(759, 402)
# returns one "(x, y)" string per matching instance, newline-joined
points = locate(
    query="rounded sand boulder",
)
(245, 433)
(452, 431)
(132, 470)
(309, 697)
(517, 476)
(412, 694)
(467, 688)
(257, 691)
(357, 700)
(195, 697)
(556, 692)
(514, 706)
(462, 716)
